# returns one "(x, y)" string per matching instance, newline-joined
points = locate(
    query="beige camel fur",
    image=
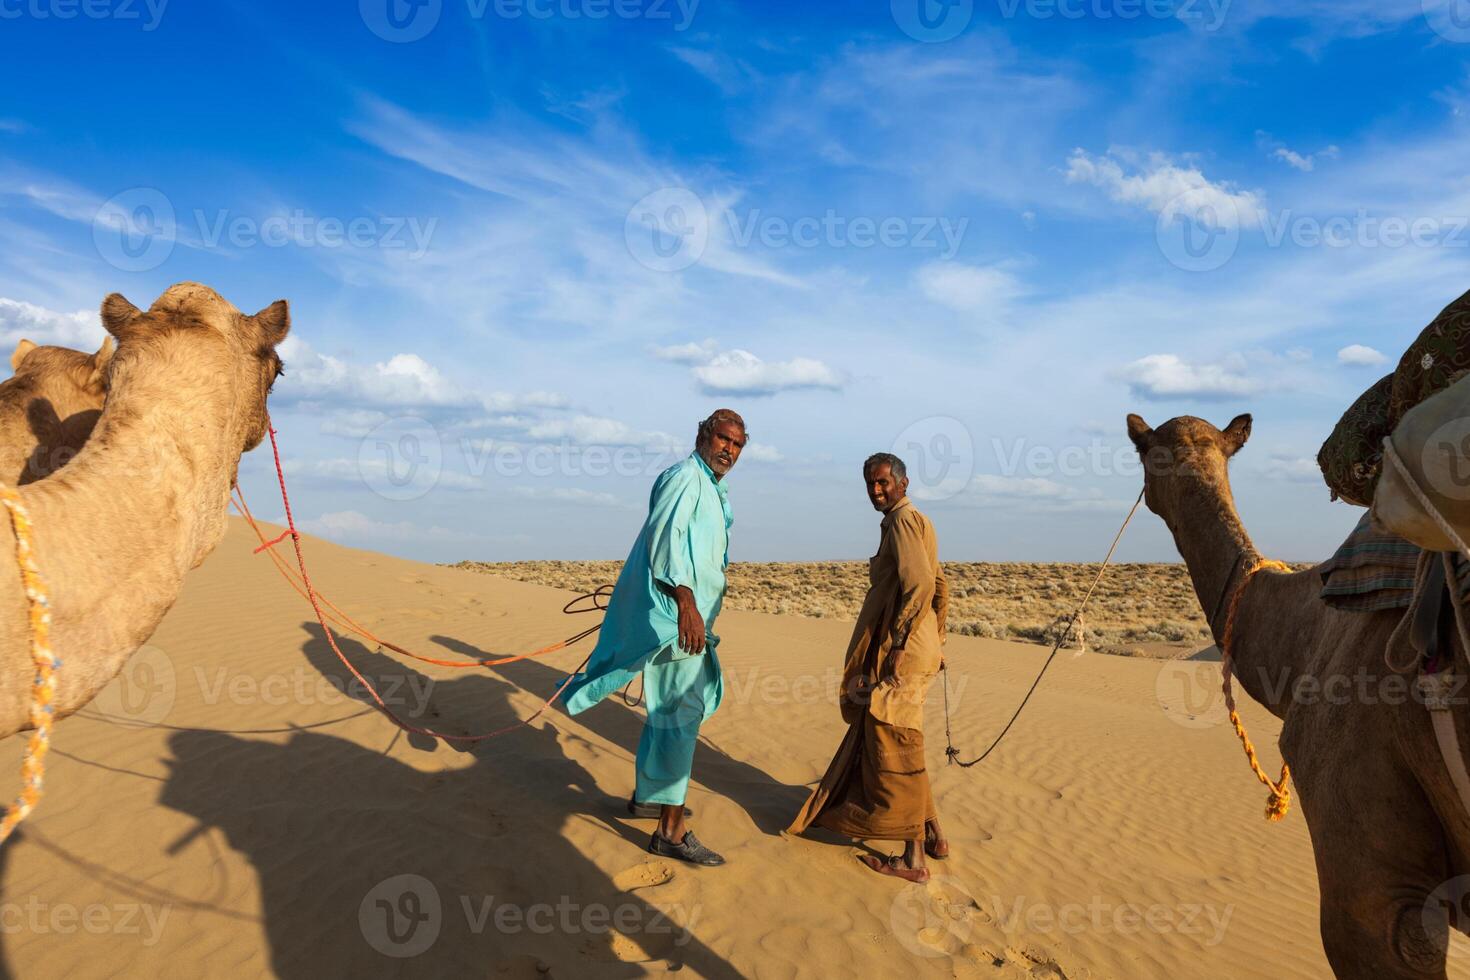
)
(48, 408)
(144, 501)
(1388, 831)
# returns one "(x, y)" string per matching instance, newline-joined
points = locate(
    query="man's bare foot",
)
(896, 867)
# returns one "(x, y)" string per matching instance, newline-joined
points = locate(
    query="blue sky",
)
(529, 243)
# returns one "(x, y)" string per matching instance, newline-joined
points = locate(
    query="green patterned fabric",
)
(1437, 359)
(1351, 457)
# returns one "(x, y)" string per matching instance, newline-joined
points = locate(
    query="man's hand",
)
(691, 623)
(895, 659)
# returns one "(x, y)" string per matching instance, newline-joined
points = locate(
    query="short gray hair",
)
(895, 465)
(707, 427)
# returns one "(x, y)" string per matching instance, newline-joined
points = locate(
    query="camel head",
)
(222, 346)
(63, 375)
(1185, 458)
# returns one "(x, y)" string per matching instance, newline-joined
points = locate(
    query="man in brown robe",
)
(877, 787)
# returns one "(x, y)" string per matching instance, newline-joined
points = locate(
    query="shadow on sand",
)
(370, 866)
(770, 804)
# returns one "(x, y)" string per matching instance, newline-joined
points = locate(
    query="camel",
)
(145, 500)
(1388, 832)
(48, 408)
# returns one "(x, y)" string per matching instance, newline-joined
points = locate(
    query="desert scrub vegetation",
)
(1135, 604)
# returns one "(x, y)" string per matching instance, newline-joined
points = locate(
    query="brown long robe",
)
(877, 787)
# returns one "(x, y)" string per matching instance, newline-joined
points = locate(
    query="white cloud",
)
(1166, 376)
(1305, 162)
(19, 319)
(759, 452)
(739, 372)
(1165, 188)
(1360, 355)
(404, 380)
(591, 430)
(1295, 469)
(968, 288)
(690, 353)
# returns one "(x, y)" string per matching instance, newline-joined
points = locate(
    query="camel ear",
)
(21, 350)
(100, 360)
(1236, 433)
(274, 321)
(1139, 431)
(117, 313)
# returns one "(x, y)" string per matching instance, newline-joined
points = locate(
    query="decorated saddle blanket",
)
(1372, 571)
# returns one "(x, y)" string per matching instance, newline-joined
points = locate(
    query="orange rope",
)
(347, 623)
(321, 617)
(43, 684)
(1279, 802)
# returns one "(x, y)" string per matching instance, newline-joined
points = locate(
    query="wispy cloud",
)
(1166, 376)
(1163, 186)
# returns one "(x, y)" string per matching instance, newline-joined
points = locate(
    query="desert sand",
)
(225, 808)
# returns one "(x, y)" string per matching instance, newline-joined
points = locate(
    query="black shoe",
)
(689, 849)
(651, 810)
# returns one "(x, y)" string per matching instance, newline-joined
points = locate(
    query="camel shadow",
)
(770, 804)
(370, 866)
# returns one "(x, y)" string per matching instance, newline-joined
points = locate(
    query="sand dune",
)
(226, 808)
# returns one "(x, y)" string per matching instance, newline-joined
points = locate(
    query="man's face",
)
(883, 489)
(721, 448)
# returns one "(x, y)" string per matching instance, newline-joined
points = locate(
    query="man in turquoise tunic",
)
(660, 622)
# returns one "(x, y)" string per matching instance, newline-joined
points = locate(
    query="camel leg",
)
(1380, 859)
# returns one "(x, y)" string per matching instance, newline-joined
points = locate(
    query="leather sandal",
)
(894, 866)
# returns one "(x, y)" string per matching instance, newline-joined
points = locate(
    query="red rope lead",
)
(332, 640)
(273, 542)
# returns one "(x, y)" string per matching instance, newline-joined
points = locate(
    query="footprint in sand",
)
(1043, 966)
(646, 875)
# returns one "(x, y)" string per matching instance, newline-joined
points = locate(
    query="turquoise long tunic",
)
(684, 541)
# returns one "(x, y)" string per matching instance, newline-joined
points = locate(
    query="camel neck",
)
(1217, 552)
